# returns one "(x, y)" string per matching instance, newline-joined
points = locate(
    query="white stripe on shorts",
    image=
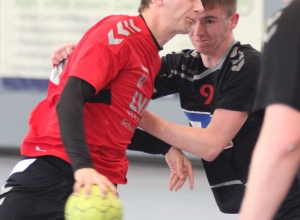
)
(234, 182)
(22, 165)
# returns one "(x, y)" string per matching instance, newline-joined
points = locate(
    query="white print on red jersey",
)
(140, 105)
(122, 31)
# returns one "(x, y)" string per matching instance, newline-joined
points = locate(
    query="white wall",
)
(31, 29)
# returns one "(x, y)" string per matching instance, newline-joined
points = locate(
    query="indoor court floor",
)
(146, 195)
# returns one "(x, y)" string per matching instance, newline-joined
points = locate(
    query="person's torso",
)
(280, 78)
(123, 77)
(229, 85)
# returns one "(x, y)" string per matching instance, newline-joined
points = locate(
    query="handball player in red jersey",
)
(78, 135)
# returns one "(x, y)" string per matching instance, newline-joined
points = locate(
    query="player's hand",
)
(86, 177)
(62, 53)
(181, 169)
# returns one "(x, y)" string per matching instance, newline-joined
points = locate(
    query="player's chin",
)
(186, 30)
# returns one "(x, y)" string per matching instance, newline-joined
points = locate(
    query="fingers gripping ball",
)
(95, 207)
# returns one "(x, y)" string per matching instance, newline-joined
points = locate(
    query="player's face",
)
(182, 14)
(212, 30)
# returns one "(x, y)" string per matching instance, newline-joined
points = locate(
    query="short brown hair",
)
(144, 5)
(230, 6)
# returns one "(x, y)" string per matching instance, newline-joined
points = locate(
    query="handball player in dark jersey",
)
(79, 134)
(276, 157)
(216, 84)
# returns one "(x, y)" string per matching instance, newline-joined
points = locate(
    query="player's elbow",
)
(210, 158)
(211, 154)
(284, 150)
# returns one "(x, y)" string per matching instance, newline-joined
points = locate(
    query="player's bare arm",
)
(206, 143)
(280, 156)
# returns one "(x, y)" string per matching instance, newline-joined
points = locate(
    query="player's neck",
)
(209, 61)
(161, 31)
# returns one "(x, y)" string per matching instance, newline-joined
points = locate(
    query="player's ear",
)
(234, 20)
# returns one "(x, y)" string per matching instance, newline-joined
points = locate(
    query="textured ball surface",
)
(95, 207)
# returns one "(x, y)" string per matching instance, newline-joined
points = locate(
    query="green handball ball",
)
(94, 207)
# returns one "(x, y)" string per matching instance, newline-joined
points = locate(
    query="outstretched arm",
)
(206, 143)
(275, 161)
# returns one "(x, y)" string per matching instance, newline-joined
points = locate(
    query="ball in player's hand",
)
(95, 207)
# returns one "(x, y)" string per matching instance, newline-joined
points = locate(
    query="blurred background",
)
(31, 29)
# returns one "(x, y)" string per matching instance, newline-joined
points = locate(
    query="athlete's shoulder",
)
(186, 62)
(291, 12)
(245, 51)
(116, 31)
(125, 24)
(181, 60)
(122, 18)
(186, 55)
(242, 56)
(284, 26)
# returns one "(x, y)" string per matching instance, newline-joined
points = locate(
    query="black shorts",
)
(37, 189)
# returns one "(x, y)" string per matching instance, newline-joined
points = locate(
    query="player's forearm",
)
(145, 142)
(273, 167)
(70, 116)
(269, 180)
(197, 141)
